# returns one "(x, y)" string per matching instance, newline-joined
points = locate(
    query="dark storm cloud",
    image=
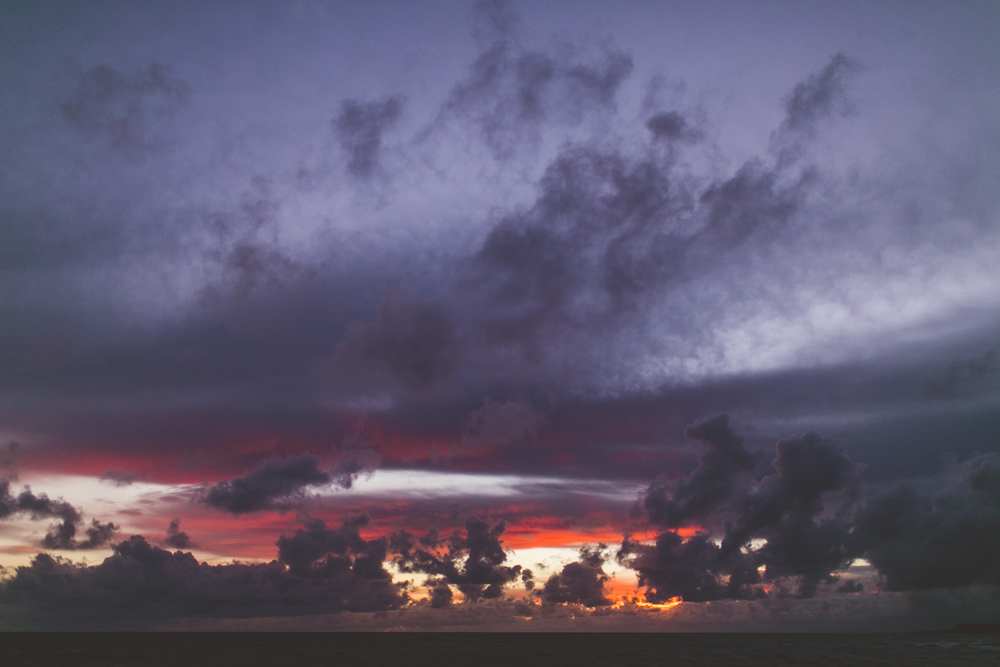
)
(675, 503)
(812, 521)
(360, 126)
(63, 535)
(580, 582)
(787, 510)
(177, 538)
(611, 231)
(245, 251)
(510, 91)
(141, 582)
(964, 372)
(693, 569)
(122, 106)
(275, 484)
(410, 343)
(803, 512)
(472, 562)
(920, 539)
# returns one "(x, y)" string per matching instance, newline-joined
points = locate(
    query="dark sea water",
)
(481, 649)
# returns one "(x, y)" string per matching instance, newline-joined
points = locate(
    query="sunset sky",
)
(437, 315)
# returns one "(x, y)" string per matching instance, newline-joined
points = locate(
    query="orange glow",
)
(663, 606)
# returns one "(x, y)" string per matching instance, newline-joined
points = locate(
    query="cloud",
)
(141, 582)
(510, 92)
(473, 562)
(121, 106)
(922, 539)
(963, 373)
(580, 582)
(724, 468)
(63, 535)
(119, 477)
(801, 514)
(819, 96)
(413, 344)
(8, 462)
(275, 484)
(511, 423)
(360, 126)
(176, 538)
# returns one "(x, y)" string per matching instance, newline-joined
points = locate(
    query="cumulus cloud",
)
(920, 539)
(807, 521)
(724, 468)
(328, 571)
(580, 582)
(473, 562)
(801, 515)
(62, 536)
(176, 538)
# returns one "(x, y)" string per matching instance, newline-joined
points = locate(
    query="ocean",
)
(247, 649)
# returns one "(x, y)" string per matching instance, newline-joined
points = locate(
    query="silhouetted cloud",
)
(473, 562)
(580, 582)
(176, 538)
(805, 532)
(724, 468)
(141, 582)
(274, 484)
(63, 535)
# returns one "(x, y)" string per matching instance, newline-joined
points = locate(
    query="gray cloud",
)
(274, 484)
(510, 423)
(413, 344)
(920, 539)
(121, 106)
(360, 126)
(820, 96)
(675, 503)
(8, 461)
(802, 512)
(510, 91)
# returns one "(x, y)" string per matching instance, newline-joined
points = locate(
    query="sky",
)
(499, 316)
